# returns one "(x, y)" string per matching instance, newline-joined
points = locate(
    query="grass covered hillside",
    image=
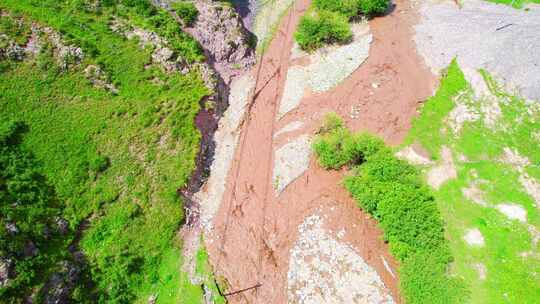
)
(109, 128)
(484, 168)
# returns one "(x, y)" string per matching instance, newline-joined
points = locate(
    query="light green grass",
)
(515, 3)
(511, 278)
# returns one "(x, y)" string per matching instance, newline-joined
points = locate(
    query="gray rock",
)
(60, 284)
(99, 79)
(219, 29)
(30, 249)
(11, 50)
(62, 225)
(5, 271)
(11, 228)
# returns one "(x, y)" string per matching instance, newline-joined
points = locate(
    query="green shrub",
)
(186, 11)
(348, 8)
(338, 146)
(374, 7)
(321, 28)
(392, 191)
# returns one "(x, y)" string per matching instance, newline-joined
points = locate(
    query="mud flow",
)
(258, 223)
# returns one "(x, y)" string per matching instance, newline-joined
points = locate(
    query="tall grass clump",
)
(393, 192)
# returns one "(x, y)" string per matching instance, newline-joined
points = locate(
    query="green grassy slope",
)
(515, 3)
(510, 256)
(114, 159)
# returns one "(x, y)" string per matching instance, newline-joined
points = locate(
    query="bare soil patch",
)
(474, 237)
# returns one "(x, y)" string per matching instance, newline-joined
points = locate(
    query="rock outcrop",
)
(5, 271)
(219, 29)
(61, 283)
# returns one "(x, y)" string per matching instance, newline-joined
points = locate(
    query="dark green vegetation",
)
(510, 254)
(186, 11)
(327, 21)
(393, 192)
(323, 28)
(115, 160)
(30, 234)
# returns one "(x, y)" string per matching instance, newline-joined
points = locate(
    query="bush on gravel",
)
(392, 191)
(321, 28)
(186, 11)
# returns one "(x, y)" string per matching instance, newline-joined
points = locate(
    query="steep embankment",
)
(274, 199)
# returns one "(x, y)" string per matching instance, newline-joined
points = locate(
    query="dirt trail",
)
(254, 226)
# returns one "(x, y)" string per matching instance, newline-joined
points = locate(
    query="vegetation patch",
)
(393, 192)
(114, 160)
(481, 156)
(327, 21)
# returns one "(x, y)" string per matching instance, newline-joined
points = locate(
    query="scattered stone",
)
(328, 67)
(291, 161)
(535, 235)
(414, 156)
(11, 228)
(532, 187)
(442, 173)
(512, 157)
(30, 249)
(293, 126)
(62, 225)
(5, 271)
(513, 212)
(491, 111)
(474, 194)
(34, 44)
(461, 113)
(13, 51)
(59, 286)
(219, 29)
(66, 55)
(99, 79)
(162, 54)
(323, 270)
(529, 183)
(482, 271)
(474, 237)
(332, 65)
